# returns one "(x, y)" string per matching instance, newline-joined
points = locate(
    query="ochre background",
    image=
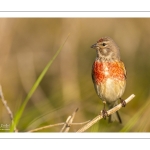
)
(26, 46)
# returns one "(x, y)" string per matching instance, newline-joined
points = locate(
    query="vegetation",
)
(28, 45)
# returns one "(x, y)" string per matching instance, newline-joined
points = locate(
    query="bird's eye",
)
(104, 44)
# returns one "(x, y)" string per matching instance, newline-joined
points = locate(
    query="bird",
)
(109, 76)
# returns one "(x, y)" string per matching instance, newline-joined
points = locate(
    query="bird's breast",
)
(108, 70)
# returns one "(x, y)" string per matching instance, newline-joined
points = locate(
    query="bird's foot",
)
(123, 102)
(104, 113)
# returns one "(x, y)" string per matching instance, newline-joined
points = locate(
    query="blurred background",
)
(27, 45)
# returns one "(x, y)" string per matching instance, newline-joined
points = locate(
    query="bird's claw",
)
(104, 113)
(123, 102)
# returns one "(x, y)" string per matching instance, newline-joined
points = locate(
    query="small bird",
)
(109, 75)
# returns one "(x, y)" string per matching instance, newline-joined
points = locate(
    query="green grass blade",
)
(34, 87)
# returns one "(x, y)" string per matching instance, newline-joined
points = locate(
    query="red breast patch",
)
(104, 70)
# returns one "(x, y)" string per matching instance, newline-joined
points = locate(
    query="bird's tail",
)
(115, 116)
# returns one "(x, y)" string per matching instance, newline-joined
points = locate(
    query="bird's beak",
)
(94, 45)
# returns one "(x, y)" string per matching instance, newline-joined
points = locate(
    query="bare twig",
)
(81, 123)
(45, 127)
(68, 122)
(7, 108)
(65, 124)
(109, 112)
(58, 124)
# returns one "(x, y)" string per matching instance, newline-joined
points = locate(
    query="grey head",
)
(107, 49)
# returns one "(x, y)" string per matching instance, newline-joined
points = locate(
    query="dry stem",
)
(69, 120)
(58, 124)
(45, 127)
(7, 108)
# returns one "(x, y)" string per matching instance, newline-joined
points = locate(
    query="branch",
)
(58, 124)
(45, 127)
(7, 108)
(68, 122)
(81, 123)
(109, 112)
(66, 126)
